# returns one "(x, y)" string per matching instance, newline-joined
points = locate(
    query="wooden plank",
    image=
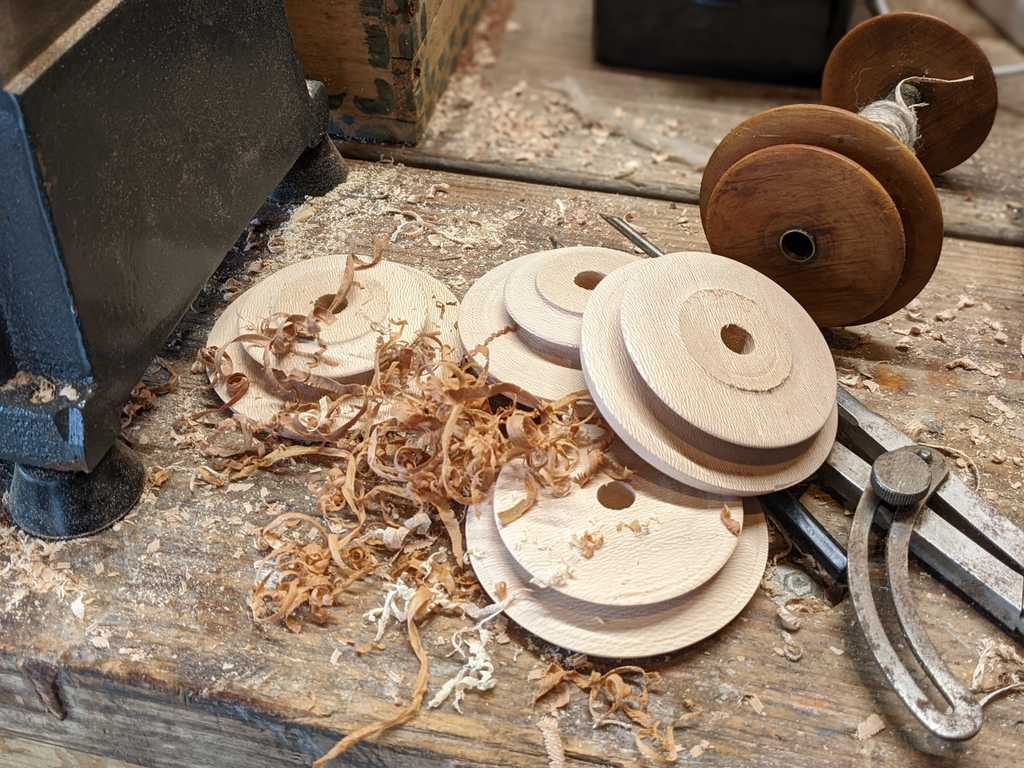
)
(512, 119)
(22, 753)
(167, 668)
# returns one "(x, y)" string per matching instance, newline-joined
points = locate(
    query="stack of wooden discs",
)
(722, 387)
(380, 295)
(711, 372)
(622, 569)
(528, 313)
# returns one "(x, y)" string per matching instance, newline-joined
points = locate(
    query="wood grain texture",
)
(849, 247)
(548, 41)
(512, 359)
(874, 149)
(200, 685)
(665, 542)
(546, 294)
(619, 631)
(378, 295)
(877, 54)
(677, 445)
(261, 402)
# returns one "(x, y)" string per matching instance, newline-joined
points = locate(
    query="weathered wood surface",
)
(167, 668)
(507, 114)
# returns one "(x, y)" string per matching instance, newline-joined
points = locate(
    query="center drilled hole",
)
(796, 245)
(737, 339)
(588, 280)
(615, 495)
(325, 301)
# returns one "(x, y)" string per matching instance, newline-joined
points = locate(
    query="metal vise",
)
(136, 141)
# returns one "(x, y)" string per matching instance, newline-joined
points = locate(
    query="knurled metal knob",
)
(901, 478)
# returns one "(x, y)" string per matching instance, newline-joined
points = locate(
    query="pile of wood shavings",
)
(429, 436)
(621, 692)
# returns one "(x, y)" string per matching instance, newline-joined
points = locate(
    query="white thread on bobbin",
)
(896, 115)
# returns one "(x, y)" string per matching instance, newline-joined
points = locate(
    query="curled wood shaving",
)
(621, 692)
(548, 727)
(730, 525)
(588, 543)
(143, 396)
(417, 606)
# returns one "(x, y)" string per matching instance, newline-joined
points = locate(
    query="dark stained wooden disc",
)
(872, 148)
(877, 54)
(816, 223)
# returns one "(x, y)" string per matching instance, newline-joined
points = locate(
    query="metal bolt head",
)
(901, 478)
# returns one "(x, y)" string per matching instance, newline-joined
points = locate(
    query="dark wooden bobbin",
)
(829, 204)
(876, 55)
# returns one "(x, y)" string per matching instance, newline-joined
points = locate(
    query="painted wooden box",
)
(385, 62)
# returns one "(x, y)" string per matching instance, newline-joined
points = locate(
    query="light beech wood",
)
(747, 423)
(873, 57)
(260, 402)
(378, 295)
(618, 631)
(546, 294)
(660, 538)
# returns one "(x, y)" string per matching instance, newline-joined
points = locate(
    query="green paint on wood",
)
(377, 46)
(382, 105)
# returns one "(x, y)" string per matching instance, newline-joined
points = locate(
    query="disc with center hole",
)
(381, 293)
(816, 223)
(872, 148)
(733, 398)
(261, 402)
(659, 539)
(728, 351)
(618, 631)
(547, 291)
(483, 317)
(873, 57)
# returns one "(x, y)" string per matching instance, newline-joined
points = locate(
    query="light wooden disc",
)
(872, 148)
(873, 57)
(261, 403)
(661, 539)
(619, 631)
(512, 359)
(728, 351)
(546, 293)
(816, 223)
(640, 421)
(381, 293)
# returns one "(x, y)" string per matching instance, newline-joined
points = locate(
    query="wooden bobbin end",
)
(873, 57)
(815, 222)
(655, 539)
(878, 153)
(618, 631)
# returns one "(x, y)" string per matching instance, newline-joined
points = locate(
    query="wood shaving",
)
(552, 736)
(143, 396)
(730, 525)
(870, 727)
(419, 602)
(699, 749)
(788, 620)
(754, 702)
(588, 543)
(999, 665)
(621, 692)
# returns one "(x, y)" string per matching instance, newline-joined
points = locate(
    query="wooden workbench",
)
(164, 666)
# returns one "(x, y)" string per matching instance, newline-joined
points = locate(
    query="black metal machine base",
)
(317, 171)
(53, 504)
